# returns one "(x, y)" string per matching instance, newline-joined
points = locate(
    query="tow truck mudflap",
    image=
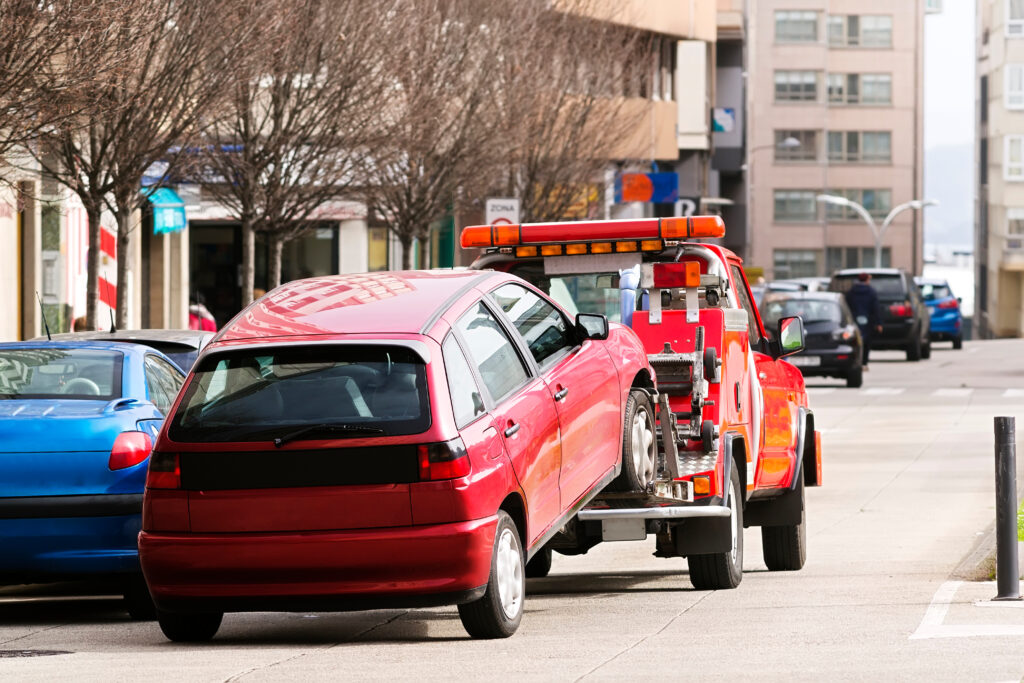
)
(630, 524)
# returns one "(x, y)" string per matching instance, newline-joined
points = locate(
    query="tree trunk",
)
(406, 241)
(276, 246)
(92, 294)
(124, 217)
(424, 250)
(248, 260)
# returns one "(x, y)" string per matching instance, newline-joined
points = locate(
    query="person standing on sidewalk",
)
(863, 302)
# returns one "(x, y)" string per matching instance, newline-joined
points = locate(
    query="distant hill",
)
(949, 177)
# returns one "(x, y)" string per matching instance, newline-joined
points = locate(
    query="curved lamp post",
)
(876, 230)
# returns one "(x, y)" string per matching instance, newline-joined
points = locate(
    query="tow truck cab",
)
(736, 437)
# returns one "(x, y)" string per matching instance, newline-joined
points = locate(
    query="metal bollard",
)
(1007, 567)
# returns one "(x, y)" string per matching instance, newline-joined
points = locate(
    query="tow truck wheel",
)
(497, 614)
(639, 449)
(722, 570)
(540, 565)
(785, 547)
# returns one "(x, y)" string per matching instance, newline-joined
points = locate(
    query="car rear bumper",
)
(945, 327)
(829, 362)
(333, 570)
(895, 335)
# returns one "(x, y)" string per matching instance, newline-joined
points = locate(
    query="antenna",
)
(43, 313)
(113, 327)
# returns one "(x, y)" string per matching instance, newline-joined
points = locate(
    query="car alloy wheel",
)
(510, 574)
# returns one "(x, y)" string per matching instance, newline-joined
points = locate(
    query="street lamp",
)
(876, 230)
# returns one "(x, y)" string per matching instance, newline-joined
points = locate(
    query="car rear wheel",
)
(540, 565)
(190, 628)
(785, 547)
(914, 350)
(137, 600)
(926, 350)
(958, 342)
(639, 449)
(855, 377)
(497, 614)
(722, 570)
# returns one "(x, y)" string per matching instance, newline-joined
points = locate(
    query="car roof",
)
(803, 296)
(195, 339)
(386, 302)
(43, 343)
(873, 271)
(931, 280)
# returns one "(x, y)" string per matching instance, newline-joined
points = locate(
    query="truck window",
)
(743, 294)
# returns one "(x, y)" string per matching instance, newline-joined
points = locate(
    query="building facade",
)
(834, 104)
(999, 236)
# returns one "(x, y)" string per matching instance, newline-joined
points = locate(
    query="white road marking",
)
(960, 391)
(820, 390)
(883, 391)
(932, 625)
(1013, 393)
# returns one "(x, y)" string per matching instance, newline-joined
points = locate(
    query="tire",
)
(190, 628)
(137, 600)
(540, 565)
(914, 350)
(926, 350)
(639, 448)
(958, 342)
(497, 614)
(722, 570)
(855, 377)
(785, 547)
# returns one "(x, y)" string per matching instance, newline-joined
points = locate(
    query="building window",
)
(377, 256)
(796, 27)
(663, 59)
(1014, 86)
(853, 30)
(1015, 18)
(1013, 157)
(878, 203)
(868, 147)
(871, 89)
(787, 150)
(855, 257)
(796, 86)
(933, 6)
(1014, 229)
(796, 205)
(795, 263)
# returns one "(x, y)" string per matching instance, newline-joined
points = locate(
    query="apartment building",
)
(834, 103)
(999, 237)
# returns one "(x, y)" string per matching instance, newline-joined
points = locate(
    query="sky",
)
(949, 86)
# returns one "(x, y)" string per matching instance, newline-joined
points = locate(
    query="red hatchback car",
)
(380, 440)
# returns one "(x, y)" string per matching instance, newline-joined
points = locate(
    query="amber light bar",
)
(645, 231)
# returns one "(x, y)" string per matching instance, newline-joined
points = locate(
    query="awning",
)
(168, 211)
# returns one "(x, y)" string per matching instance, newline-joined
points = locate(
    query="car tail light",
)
(902, 310)
(843, 333)
(164, 471)
(130, 448)
(949, 304)
(448, 460)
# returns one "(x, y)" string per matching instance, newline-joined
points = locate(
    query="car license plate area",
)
(623, 529)
(805, 361)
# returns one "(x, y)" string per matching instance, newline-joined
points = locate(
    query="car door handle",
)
(512, 429)
(560, 395)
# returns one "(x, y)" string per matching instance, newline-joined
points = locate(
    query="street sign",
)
(502, 211)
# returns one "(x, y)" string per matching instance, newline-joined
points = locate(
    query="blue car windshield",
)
(53, 372)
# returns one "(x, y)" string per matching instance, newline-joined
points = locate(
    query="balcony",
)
(1012, 253)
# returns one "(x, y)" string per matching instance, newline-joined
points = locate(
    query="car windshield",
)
(888, 287)
(49, 372)
(810, 310)
(933, 292)
(580, 293)
(263, 394)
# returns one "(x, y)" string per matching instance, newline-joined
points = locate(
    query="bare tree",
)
(305, 112)
(169, 56)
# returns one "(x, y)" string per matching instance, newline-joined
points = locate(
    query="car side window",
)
(162, 382)
(467, 403)
(743, 294)
(490, 349)
(542, 325)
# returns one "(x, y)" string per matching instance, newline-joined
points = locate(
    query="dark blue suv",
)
(944, 309)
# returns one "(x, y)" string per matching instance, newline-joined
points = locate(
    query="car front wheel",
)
(785, 547)
(497, 614)
(639, 449)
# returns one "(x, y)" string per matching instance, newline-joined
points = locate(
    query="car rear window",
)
(888, 287)
(325, 391)
(48, 372)
(932, 292)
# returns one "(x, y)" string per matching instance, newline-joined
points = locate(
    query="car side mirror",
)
(790, 336)
(591, 326)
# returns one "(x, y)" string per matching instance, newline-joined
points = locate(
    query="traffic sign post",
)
(502, 211)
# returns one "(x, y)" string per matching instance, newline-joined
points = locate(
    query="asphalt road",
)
(908, 494)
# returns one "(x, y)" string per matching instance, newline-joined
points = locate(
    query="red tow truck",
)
(727, 439)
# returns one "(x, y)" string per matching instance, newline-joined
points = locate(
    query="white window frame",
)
(1014, 27)
(802, 16)
(1012, 240)
(1013, 99)
(1013, 173)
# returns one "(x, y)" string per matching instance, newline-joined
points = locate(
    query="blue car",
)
(944, 309)
(77, 424)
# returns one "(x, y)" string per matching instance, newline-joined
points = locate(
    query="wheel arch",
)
(734, 454)
(516, 509)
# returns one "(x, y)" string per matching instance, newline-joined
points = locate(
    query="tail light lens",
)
(164, 471)
(948, 304)
(130, 448)
(902, 310)
(448, 460)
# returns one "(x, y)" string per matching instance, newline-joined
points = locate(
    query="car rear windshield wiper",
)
(355, 430)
